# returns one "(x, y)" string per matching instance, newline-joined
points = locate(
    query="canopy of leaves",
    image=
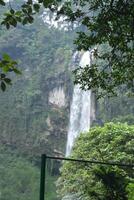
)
(108, 29)
(7, 65)
(111, 143)
(19, 179)
(110, 23)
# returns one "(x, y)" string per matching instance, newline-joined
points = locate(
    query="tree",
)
(107, 27)
(130, 190)
(111, 143)
(25, 106)
(19, 178)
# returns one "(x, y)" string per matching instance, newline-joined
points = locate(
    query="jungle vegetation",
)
(40, 56)
(110, 143)
(109, 24)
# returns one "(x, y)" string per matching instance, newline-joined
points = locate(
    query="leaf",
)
(29, 1)
(30, 19)
(3, 76)
(7, 25)
(8, 81)
(18, 13)
(13, 22)
(18, 19)
(2, 3)
(36, 7)
(3, 86)
(5, 69)
(17, 71)
(25, 21)
(12, 11)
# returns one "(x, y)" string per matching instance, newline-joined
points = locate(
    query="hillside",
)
(35, 109)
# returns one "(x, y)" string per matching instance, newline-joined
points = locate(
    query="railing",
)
(45, 158)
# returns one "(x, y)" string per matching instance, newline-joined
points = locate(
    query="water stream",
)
(80, 107)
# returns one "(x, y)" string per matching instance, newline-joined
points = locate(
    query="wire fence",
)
(50, 173)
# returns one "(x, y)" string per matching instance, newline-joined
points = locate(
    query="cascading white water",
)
(80, 108)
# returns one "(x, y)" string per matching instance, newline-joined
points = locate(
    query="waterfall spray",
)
(80, 108)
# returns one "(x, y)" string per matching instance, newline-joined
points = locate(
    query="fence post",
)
(42, 177)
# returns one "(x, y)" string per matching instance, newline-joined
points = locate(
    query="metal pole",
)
(91, 161)
(42, 177)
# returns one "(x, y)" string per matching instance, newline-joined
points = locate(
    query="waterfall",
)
(80, 107)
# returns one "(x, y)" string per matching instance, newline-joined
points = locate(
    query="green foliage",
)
(7, 65)
(19, 179)
(2, 3)
(111, 143)
(29, 125)
(108, 23)
(127, 118)
(25, 107)
(51, 188)
(130, 189)
(116, 109)
(14, 13)
(24, 12)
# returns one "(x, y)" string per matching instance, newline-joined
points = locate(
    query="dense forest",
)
(30, 122)
(35, 109)
(110, 143)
